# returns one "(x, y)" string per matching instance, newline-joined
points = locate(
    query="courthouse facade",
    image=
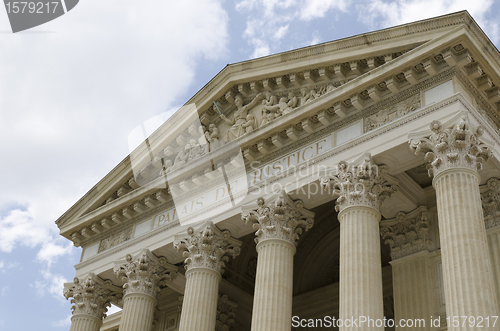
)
(355, 178)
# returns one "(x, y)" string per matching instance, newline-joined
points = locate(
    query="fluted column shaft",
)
(85, 322)
(205, 249)
(143, 274)
(360, 267)
(278, 221)
(138, 311)
(272, 306)
(494, 248)
(199, 307)
(412, 289)
(468, 281)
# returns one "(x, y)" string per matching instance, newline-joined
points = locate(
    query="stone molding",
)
(144, 273)
(226, 312)
(279, 217)
(360, 184)
(91, 295)
(207, 247)
(407, 233)
(490, 198)
(458, 146)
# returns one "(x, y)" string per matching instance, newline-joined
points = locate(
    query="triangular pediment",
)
(276, 101)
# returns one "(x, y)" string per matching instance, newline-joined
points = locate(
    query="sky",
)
(74, 88)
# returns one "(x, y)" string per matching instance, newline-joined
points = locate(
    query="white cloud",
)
(269, 20)
(74, 95)
(4, 290)
(318, 8)
(266, 18)
(281, 32)
(71, 97)
(63, 323)
(378, 13)
(51, 284)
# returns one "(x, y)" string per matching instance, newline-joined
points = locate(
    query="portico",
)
(357, 178)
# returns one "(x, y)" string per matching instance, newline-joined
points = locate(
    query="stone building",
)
(359, 177)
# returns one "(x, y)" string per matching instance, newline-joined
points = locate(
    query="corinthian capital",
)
(407, 233)
(144, 273)
(364, 184)
(207, 247)
(490, 198)
(91, 295)
(455, 147)
(279, 218)
(226, 310)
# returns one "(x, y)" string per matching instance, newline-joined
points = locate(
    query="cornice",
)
(332, 46)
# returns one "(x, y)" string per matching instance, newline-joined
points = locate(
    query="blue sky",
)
(74, 88)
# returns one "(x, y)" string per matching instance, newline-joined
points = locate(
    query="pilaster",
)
(226, 311)
(279, 222)
(490, 198)
(407, 235)
(205, 250)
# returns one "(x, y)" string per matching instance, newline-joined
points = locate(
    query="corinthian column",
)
(361, 189)
(143, 275)
(91, 299)
(455, 155)
(412, 286)
(278, 221)
(205, 250)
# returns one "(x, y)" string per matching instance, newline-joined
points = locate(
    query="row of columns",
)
(454, 155)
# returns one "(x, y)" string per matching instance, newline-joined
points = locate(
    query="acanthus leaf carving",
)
(455, 147)
(490, 199)
(91, 295)
(365, 184)
(207, 247)
(279, 218)
(226, 312)
(407, 233)
(144, 273)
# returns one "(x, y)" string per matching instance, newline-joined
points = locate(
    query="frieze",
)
(391, 113)
(115, 239)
